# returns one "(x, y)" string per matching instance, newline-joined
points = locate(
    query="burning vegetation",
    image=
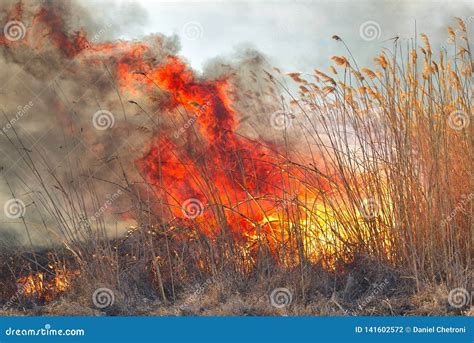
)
(46, 286)
(363, 165)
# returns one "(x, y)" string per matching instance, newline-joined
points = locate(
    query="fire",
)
(46, 286)
(240, 171)
(240, 183)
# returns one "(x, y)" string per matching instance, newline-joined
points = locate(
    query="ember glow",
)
(48, 285)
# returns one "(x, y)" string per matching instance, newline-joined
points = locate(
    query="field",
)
(252, 191)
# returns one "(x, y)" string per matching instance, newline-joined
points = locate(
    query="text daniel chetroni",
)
(438, 329)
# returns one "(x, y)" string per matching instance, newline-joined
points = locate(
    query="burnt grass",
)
(363, 287)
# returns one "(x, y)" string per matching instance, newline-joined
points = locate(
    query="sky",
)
(294, 35)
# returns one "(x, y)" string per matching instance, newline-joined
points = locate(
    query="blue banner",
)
(237, 329)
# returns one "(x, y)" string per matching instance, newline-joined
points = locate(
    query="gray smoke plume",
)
(66, 123)
(70, 133)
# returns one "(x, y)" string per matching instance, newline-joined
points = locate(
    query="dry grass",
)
(382, 137)
(227, 297)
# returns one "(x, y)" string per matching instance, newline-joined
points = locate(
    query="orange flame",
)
(239, 182)
(45, 286)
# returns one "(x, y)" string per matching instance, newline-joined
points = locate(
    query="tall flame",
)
(240, 183)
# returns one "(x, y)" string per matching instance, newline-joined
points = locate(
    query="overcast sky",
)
(295, 35)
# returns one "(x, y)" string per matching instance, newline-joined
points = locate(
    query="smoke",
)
(257, 94)
(69, 125)
(65, 121)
